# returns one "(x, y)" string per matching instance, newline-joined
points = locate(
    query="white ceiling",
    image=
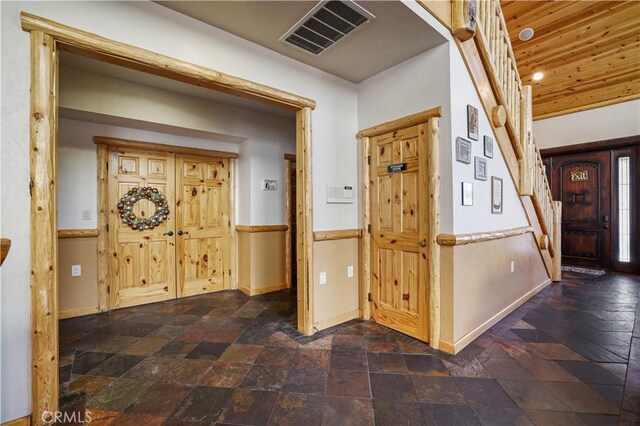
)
(395, 35)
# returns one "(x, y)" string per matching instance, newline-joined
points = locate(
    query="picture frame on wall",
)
(496, 195)
(488, 147)
(480, 165)
(472, 122)
(463, 150)
(467, 193)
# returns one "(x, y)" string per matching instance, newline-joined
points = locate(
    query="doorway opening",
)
(48, 38)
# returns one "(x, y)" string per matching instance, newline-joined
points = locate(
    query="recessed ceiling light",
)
(537, 76)
(526, 34)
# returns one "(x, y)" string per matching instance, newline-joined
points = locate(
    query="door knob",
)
(181, 232)
(423, 243)
(169, 234)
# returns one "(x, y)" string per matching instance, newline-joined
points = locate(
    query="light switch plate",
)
(350, 271)
(323, 278)
(76, 270)
(86, 214)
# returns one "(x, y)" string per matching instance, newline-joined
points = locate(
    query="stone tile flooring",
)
(571, 355)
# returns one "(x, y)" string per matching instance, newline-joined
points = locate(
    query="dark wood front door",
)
(583, 184)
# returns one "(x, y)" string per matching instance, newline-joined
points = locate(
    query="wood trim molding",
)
(338, 319)
(77, 233)
(44, 224)
(441, 10)
(588, 107)
(78, 312)
(103, 221)
(261, 228)
(433, 166)
(22, 421)
(340, 234)
(152, 146)
(256, 291)
(591, 146)
(233, 242)
(5, 246)
(480, 237)
(290, 157)
(144, 60)
(401, 123)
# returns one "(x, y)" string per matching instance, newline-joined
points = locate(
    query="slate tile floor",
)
(568, 356)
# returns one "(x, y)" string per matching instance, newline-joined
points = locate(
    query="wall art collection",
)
(481, 163)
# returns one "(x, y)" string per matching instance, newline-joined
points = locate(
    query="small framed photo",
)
(472, 122)
(496, 195)
(488, 147)
(467, 193)
(463, 150)
(480, 168)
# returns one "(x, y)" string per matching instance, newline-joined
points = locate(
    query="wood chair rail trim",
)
(401, 123)
(152, 146)
(117, 53)
(77, 233)
(480, 237)
(339, 234)
(261, 228)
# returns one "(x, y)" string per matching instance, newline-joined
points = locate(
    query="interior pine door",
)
(142, 263)
(399, 203)
(202, 208)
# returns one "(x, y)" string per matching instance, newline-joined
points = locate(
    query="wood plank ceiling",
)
(589, 52)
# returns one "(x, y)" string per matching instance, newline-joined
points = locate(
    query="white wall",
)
(478, 217)
(415, 85)
(158, 29)
(598, 124)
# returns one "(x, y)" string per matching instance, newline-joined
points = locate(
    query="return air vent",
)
(325, 24)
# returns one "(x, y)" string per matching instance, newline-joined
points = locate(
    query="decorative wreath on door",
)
(125, 207)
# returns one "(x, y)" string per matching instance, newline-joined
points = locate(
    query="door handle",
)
(423, 243)
(169, 234)
(605, 218)
(181, 232)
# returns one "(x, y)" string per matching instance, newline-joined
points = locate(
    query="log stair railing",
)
(484, 21)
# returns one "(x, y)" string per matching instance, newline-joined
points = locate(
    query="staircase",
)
(481, 34)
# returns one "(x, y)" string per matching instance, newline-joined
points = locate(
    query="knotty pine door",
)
(187, 254)
(399, 206)
(202, 214)
(141, 263)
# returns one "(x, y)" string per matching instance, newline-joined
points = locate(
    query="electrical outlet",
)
(86, 214)
(350, 271)
(76, 270)
(323, 278)
(513, 266)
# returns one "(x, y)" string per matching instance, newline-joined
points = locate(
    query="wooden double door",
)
(399, 230)
(188, 253)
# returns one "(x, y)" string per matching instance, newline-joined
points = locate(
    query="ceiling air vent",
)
(325, 24)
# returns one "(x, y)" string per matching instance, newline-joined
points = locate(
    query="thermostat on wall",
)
(339, 194)
(269, 185)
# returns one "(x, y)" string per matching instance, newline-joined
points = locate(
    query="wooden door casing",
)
(583, 184)
(399, 230)
(141, 263)
(202, 216)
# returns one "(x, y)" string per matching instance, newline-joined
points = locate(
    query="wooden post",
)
(103, 220)
(526, 139)
(365, 241)
(44, 244)
(304, 210)
(434, 229)
(557, 242)
(463, 19)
